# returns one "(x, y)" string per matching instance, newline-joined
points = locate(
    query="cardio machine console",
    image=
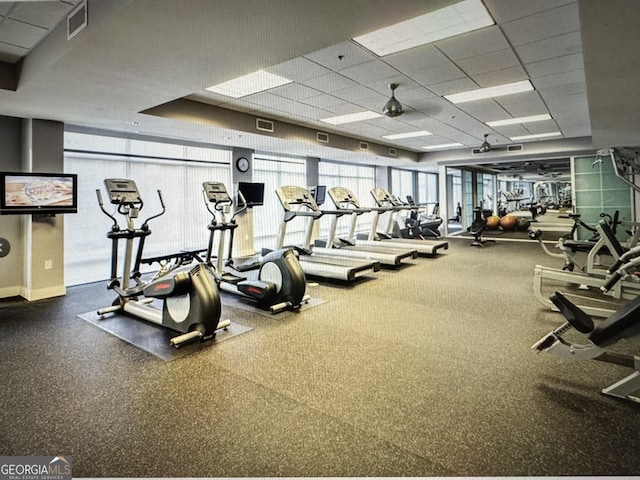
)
(216, 192)
(122, 191)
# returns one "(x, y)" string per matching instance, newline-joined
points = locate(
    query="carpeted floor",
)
(424, 371)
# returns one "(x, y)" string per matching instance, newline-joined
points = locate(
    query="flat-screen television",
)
(253, 193)
(38, 193)
(319, 193)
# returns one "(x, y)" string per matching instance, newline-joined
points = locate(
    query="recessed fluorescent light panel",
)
(351, 117)
(490, 92)
(447, 22)
(248, 84)
(534, 137)
(398, 136)
(516, 121)
(442, 145)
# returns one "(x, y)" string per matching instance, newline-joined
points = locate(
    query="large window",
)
(428, 190)
(176, 170)
(402, 184)
(357, 178)
(275, 172)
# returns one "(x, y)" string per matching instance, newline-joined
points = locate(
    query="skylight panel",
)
(457, 19)
(398, 136)
(536, 136)
(249, 84)
(442, 146)
(351, 117)
(519, 120)
(490, 92)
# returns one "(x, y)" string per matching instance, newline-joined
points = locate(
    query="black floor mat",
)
(154, 338)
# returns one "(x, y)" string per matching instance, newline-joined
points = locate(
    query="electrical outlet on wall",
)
(48, 264)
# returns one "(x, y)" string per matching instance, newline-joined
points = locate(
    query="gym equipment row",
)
(350, 257)
(594, 279)
(598, 341)
(188, 283)
(189, 293)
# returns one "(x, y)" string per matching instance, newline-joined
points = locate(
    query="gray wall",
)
(11, 225)
(34, 267)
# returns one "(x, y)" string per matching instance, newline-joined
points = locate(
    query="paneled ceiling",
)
(139, 63)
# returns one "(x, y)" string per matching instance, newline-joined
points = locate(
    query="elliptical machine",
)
(191, 301)
(280, 284)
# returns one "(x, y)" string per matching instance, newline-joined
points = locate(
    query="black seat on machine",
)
(624, 323)
(574, 314)
(477, 227)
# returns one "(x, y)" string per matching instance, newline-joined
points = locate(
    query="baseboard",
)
(9, 292)
(42, 293)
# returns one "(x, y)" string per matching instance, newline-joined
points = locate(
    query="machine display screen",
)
(253, 193)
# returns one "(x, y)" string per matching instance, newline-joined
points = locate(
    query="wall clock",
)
(242, 164)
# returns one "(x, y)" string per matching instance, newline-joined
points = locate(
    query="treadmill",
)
(347, 206)
(386, 203)
(299, 202)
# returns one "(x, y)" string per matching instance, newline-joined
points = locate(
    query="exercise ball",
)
(493, 222)
(508, 222)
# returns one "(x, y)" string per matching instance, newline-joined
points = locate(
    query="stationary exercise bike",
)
(280, 284)
(190, 297)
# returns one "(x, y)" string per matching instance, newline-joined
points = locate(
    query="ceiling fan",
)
(393, 108)
(486, 146)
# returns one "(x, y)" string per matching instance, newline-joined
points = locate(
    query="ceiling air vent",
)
(514, 148)
(364, 146)
(322, 137)
(77, 20)
(264, 125)
(393, 152)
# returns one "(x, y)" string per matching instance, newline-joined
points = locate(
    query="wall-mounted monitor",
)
(253, 193)
(319, 193)
(38, 193)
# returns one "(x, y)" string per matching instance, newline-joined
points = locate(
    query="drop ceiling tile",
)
(479, 42)
(555, 65)
(374, 102)
(484, 110)
(21, 34)
(541, 127)
(355, 92)
(295, 91)
(508, 131)
(300, 110)
(563, 78)
(299, 69)
(323, 101)
(267, 99)
(417, 58)
(415, 96)
(11, 53)
(47, 15)
(489, 62)
(523, 104)
(5, 7)
(454, 86)
(558, 46)
(550, 23)
(438, 74)
(330, 82)
(504, 11)
(352, 54)
(490, 79)
(366, 72)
